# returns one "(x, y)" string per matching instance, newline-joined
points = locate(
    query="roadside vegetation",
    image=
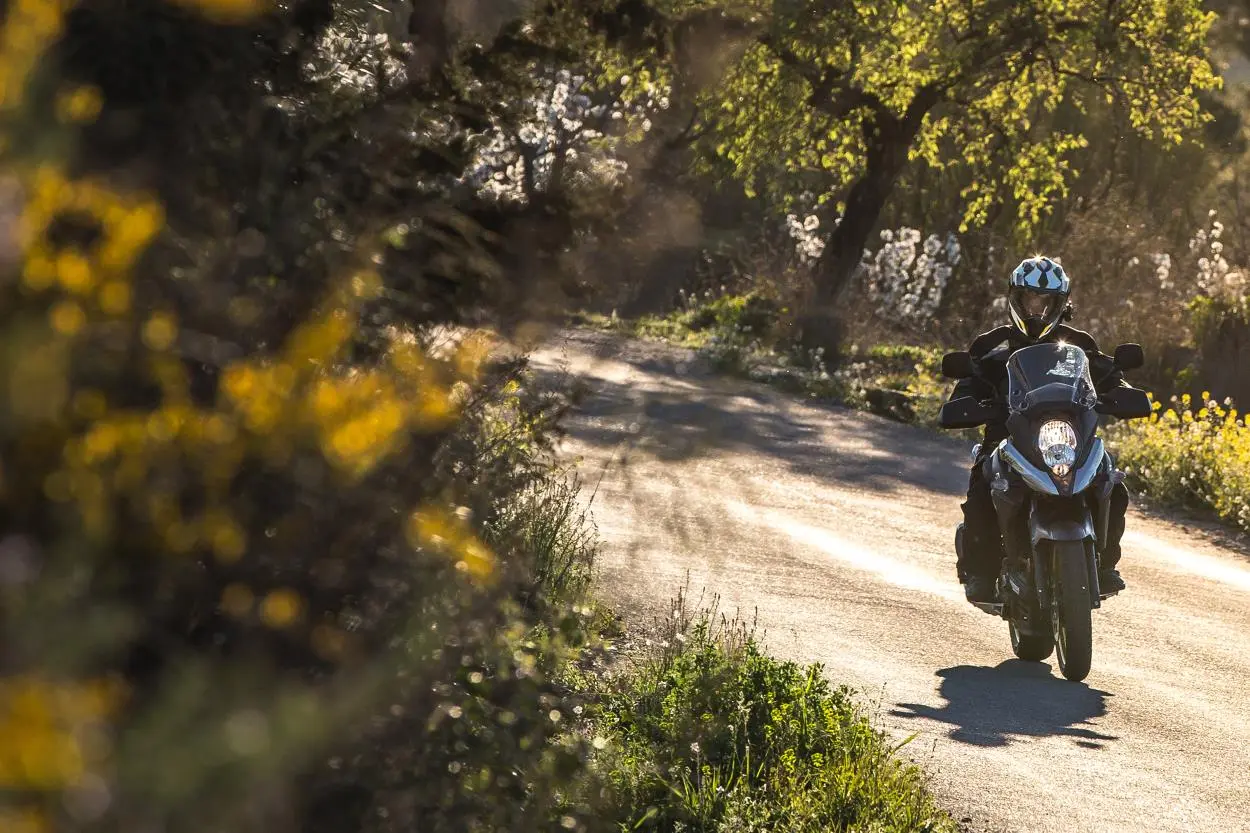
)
(707, 732)
(751, 338)
(1191, 453)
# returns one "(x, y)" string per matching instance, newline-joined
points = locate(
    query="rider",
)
(1037, 298)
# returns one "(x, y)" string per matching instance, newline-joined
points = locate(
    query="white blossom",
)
(562, 124)
(809, 243)
(905, 284)
(1163, 268)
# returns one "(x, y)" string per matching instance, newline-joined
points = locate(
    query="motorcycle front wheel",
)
(1071, 613)
(1032, 647)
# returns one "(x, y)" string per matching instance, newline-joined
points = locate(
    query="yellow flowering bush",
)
(254, 563)
(1189, 453)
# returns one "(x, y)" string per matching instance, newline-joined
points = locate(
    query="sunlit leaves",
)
(793, 112)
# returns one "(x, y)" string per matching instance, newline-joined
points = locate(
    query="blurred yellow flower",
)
(114, 298)
(74, 272)
(79, 105)
(41, 721)
(159, 331)
(226, 537)
(443, 531)
(67, 318)
(320, 340)
(29, 28)
(281, 608)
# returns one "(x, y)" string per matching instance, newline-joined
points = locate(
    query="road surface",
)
(837, 527)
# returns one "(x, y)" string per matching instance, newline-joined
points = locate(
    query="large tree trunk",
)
(845, 246)
(888, 139)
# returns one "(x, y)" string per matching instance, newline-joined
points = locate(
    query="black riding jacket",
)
(991, 350)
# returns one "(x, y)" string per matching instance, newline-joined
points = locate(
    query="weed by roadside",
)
(741, 336)
(544, 725)
(706, 732)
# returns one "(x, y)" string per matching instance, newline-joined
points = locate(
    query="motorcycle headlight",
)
(1057, 441)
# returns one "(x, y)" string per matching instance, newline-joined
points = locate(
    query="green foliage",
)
(741, 335)
(547, 520)
(826, 93)
(898, 381)
(709, 733)
(734, 332)
(282, 545)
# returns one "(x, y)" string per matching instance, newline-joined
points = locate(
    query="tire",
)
(1031, 647)
(1071, 614)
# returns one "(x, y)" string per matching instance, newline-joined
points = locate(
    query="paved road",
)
(837, 528)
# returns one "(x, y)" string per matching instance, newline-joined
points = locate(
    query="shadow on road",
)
(989, 706)
(673, 409)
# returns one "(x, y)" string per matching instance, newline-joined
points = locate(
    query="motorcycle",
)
(1051, 482)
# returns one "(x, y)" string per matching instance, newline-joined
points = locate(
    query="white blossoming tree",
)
(570, 133)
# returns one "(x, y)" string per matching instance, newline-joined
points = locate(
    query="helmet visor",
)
(1035, 305)
(1039, 311)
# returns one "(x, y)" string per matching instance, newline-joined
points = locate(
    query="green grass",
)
(706, 732)
(738, 338)
(546, 520)
(671, 329)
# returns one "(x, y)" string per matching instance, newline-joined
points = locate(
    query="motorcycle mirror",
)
(958, 365)
(1129, 357)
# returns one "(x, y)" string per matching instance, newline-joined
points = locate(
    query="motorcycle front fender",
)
(1067, 519)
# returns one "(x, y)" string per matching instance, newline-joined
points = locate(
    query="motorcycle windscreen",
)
(1049, 374)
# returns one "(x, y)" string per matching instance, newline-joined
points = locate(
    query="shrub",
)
(709, 733)
(1220, 328)
(260, 565)
(1189, 454)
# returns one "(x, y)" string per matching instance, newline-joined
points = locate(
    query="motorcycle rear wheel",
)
(1071, 614)
(1031, 647)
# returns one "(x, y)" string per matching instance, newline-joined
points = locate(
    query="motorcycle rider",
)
(1038, 302)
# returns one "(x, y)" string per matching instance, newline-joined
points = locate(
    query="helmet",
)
(1038, 296)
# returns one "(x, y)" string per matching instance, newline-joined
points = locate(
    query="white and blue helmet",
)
(1038, 295)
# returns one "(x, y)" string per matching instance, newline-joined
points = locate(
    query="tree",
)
(837, 98)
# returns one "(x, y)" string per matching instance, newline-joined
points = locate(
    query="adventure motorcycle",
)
(1051, 483)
